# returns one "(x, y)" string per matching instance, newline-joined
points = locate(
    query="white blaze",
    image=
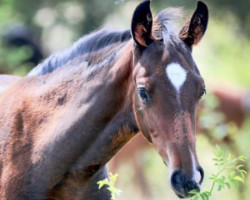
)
(176, 74)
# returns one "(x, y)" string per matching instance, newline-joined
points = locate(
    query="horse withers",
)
(62, 123)
(6, 81)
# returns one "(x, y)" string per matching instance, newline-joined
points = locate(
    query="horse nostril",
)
(182, 184)
(177, 180)
(201, 173)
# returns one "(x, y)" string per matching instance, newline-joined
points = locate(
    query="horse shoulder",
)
(72, 188)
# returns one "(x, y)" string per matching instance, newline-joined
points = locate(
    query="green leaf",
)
(242, 174)
(196, 197)
(228, 185)
(204, 196)
(213, 177)
(220, 180)
(102, 183)
(242, 171)
(231, 175)
(229, 157)
(224, 162)
(110, 185)
(239, 166)
(235, 182)
(194, 191)
(242, 158)
(207, 194)
(219, 187)
(113, 177)
(238, 178)
(218, 152)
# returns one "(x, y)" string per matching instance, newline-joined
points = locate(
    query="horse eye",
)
(202, 92)
(144, 95)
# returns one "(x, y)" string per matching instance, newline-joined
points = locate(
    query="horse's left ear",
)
(194, 29)
(142, 24)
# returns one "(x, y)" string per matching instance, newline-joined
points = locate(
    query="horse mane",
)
(162, 30)
(87, 44)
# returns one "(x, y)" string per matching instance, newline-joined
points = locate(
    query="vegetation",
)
(222, 58)
(72, 19)
(110, 183)
(229, 172)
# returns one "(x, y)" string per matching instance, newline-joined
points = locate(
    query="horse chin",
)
(183, 195)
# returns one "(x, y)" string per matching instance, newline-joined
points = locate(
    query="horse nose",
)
(182, 184)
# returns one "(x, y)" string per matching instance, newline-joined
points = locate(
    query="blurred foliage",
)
(46, 18)
(24, 11)
(222, 55)
(95, 11)
(13, 57)
(71, 19)
(214, 121)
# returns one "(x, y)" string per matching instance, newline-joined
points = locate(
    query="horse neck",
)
(99, 111)
(114, 103)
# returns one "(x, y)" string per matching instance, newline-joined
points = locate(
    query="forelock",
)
(163, 26)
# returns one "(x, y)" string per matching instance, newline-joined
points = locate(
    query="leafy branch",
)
(220, 180)
(110, 183)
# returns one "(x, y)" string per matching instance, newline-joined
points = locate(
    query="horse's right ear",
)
(142, 24)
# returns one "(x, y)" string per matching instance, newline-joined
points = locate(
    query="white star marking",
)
(177, 75)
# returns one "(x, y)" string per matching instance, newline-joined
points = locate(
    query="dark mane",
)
(104, 37)
(85, 45)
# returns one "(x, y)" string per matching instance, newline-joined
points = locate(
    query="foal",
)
(69, 117)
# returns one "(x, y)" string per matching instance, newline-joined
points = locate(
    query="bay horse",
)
(63, 122)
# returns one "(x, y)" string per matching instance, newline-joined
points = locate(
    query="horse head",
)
(168, 87)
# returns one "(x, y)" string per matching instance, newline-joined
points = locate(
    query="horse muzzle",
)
(182, 184)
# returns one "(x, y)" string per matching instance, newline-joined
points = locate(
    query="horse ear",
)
(194, 29)
(142, 24)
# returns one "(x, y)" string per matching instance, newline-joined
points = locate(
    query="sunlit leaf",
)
(194, 191)
(196, 197)
(238, 178)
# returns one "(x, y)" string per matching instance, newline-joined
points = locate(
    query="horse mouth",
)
(183, 195)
